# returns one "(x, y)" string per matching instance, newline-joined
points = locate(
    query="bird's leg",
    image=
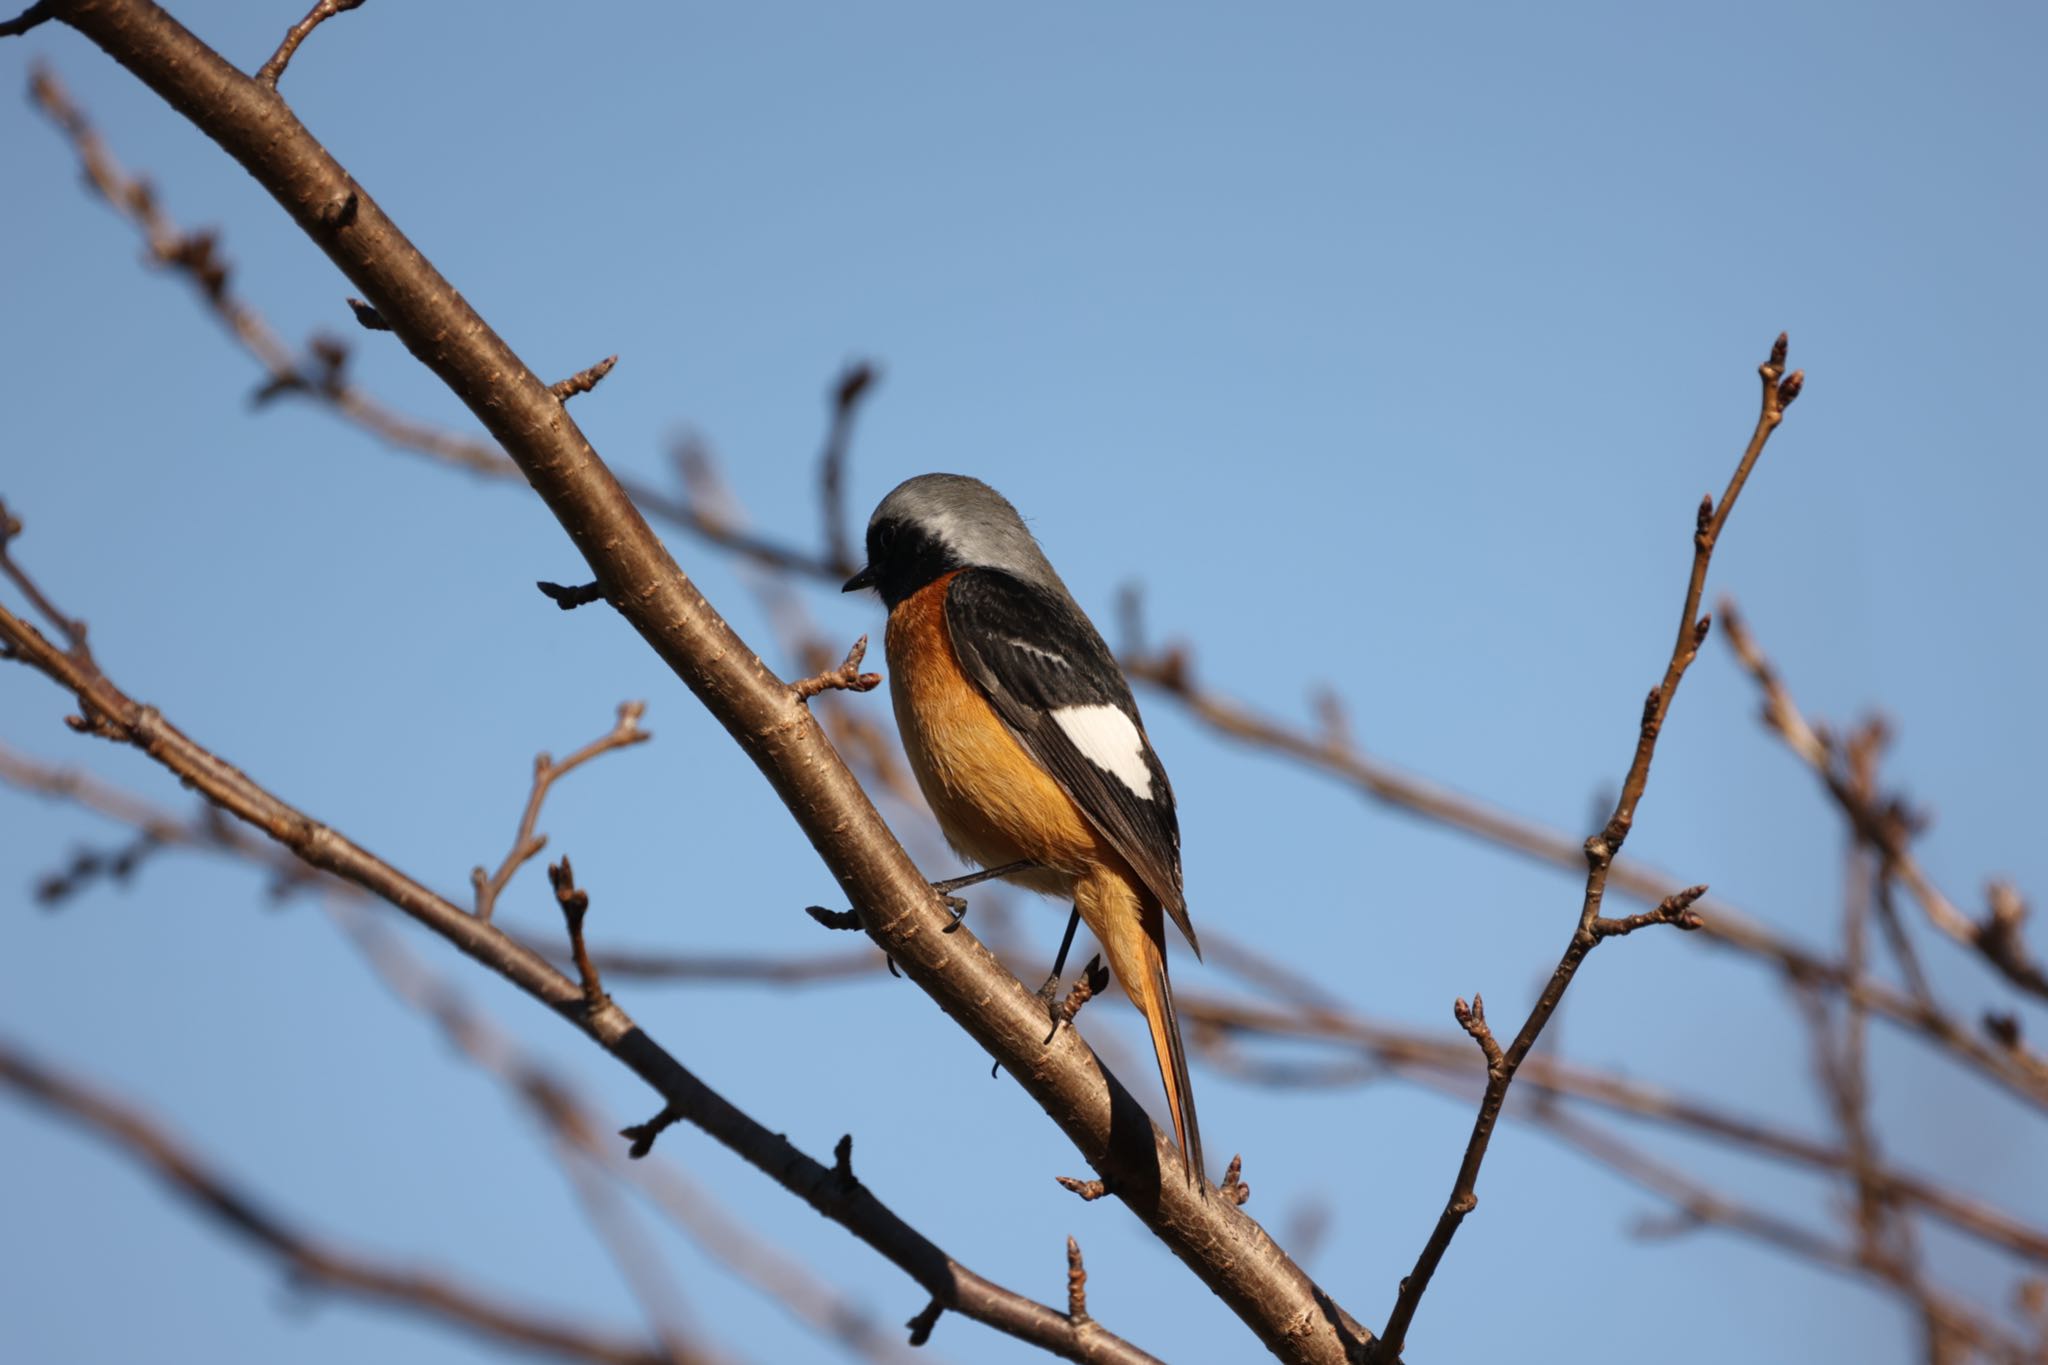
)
(958, 906)
(1059, 963)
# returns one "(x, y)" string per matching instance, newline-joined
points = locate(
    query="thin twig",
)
(575, 904)
(526, 844)
(367, 317)
(570, 597)
(1887, 826)
(1094, 977)
(1234, 1187)
(267, 74)
(39, 13)
(855, 382)
(1077, 1285)
(583, 381)
(307, 1256)
(1779, 390)
(847, 677)
(71, 628)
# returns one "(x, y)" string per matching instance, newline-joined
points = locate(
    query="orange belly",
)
(993, 801)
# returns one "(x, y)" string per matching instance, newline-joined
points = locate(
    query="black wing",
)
(1054, 682)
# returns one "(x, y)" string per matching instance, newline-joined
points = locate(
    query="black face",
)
(902, 557)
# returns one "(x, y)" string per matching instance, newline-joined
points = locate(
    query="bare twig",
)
(583, 381)
(1094, 977)
(39, 13)
(1779, 390)
(268, 73)
(72, 629)
(1234, 1187)
(305, 1255)
(1887, 825)
(575, 903)
(847, 677)
(367, 317)
(568, 598)
(853, 383)
(1077, 1285)
(526, 844)
(1675, 909)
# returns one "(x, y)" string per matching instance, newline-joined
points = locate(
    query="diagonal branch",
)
(573, 1124)
(115, 715)
(1886, 826)
(306, 1256)
(903, 915)
(1779, 390)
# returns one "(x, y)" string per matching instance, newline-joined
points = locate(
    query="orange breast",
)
(995, 804)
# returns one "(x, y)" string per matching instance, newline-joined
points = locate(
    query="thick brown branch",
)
(309, 1257)
(1779, 389)
(268, 73)
(527, 843)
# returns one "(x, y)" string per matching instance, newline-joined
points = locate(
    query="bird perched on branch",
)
(1024, 736)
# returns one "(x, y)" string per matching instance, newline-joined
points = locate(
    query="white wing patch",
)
(1107, 738)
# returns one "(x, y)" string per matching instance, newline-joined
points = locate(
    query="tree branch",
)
(213, 1193)
(554, 1103)
(1230, 1253)
(1779, 390)
(117, 716)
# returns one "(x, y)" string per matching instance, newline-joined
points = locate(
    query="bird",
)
(1024, 737)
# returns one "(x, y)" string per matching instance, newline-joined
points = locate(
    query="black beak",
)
(864, 579)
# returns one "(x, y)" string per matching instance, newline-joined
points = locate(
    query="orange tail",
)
(1133, 934)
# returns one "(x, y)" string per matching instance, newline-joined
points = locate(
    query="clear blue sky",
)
(1388, 346)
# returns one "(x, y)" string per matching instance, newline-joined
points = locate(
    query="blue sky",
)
(1388, 347)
